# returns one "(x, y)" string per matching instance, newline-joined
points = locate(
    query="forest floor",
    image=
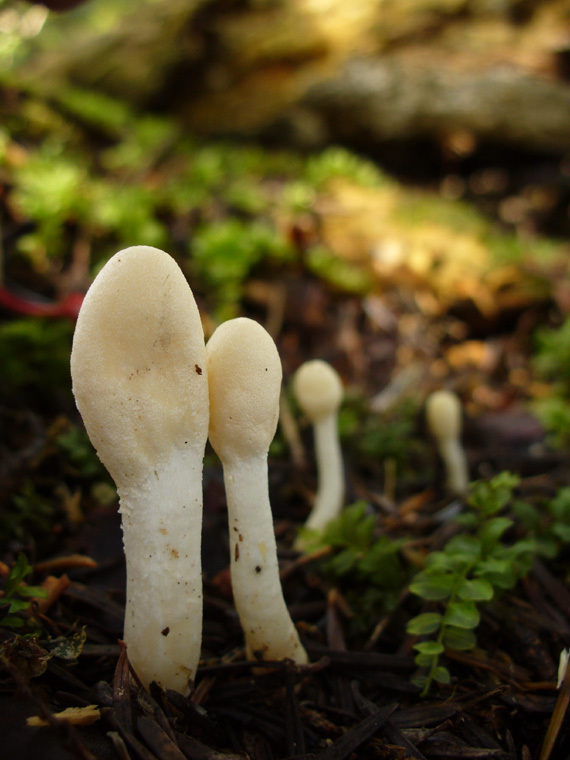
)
(394, 287)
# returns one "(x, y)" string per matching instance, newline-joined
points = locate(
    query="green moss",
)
(417, 209)
(339, 163)
(34, 355)
(224, 254)
(376, 438)
(340, 273)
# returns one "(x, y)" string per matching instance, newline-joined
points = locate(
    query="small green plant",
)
(552, 362)
(339, 163)
(548, 522)
(473, 567)
(34, 354)
(16, 597)
(552, 358)
(340, 273)
(366, 565)
(375, 438)
(51, 189)
(29, 513)
(224, 254)
(76, 445)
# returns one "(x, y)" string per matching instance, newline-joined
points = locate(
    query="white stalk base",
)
(162, 524)
(268, 629)
(329, 499)
(456, 468)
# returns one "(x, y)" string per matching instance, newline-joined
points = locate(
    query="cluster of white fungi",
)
(151, 392)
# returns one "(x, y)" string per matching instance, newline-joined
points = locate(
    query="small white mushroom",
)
(244, 372)
(318, 390)
(443, 416)
(140, 382)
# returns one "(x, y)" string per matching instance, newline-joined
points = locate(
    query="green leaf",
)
(432, 587)
(546, 547)
(460, 639)
(467, 520)
(561, 531)
(424, 624)
(10, 621)
(527, 514)
(429, 647)
(499, 573)
(492, 530)
(18, 605)
(425, 660)
(475, 590)
(441, 675)
(464, 545)
(438, 561)
(343, 562)
(462, 615)
(38, 591)
(18, 572)
(420, 680)
(559, 507)
(491, 497)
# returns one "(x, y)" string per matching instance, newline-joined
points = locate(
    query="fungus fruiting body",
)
(443, 416)
(139, 375)
(244, 372)
(319, 392)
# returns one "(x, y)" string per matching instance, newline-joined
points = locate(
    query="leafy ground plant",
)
(552, 362)
(16, 597)
(474, 566)
(366, 565)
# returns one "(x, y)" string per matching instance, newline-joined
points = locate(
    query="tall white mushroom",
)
(244, 372)
(443, 416)
(319, 392)
(140, 382)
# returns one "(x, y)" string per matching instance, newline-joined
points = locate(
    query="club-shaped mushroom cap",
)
(245, 381)
(443, 414)
(318, 389)
(138, 364)
(140, 382)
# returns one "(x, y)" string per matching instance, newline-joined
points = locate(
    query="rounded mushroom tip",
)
(318, 389)
(244, 373)
(137, 363)
(443, 414)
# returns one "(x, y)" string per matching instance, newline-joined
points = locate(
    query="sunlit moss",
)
(336, 162)
(223, 255)
(416, 209)
(340, 273)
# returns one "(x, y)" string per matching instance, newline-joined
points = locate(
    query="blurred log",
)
(337, 71)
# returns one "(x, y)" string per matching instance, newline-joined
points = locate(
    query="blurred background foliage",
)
(87, 168)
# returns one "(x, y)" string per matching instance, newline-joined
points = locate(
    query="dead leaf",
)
(76, 716)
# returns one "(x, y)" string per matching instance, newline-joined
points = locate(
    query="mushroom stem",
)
(318, 389)
(330, 492)
(443, 416)
(268, 629)
(456, 467)
(163, 616)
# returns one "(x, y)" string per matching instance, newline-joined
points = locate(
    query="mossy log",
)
(315, 72)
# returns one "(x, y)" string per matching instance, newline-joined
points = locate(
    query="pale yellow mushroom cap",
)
(244, 371)
(318, 389)
(443, 415)
(138, 364)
